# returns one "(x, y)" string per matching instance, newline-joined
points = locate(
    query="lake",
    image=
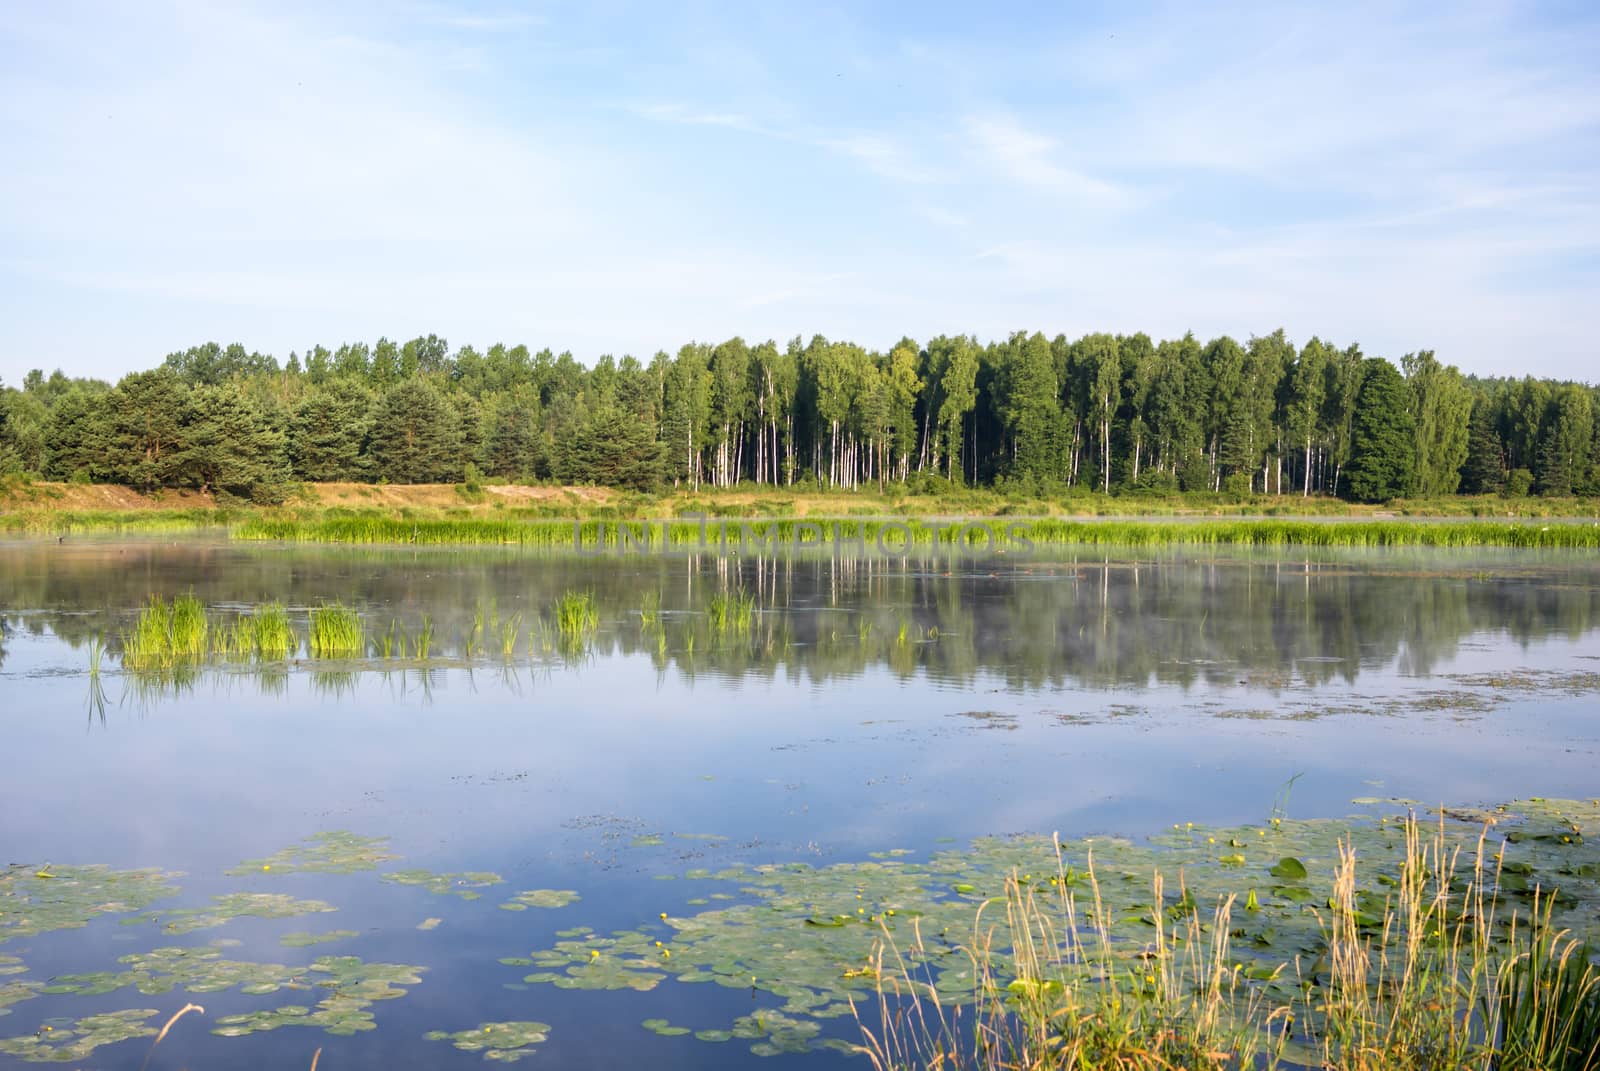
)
(731, 784)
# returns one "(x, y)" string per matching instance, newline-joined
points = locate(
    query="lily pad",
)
(464, 885)
(39, 899)
(302, 939)
(547, 898)
(334, 852)
(232, 906)
(497, 1041)
(69, 1044)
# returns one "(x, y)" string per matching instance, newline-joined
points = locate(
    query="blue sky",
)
(616, 178)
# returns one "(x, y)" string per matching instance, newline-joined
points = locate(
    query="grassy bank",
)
(545, 516)
(1016, 534)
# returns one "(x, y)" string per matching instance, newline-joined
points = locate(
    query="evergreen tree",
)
(1383, 435)
(327, 431)
(1564, 449)
(76, 437)
(1484, 470)
(611, 449)
(415, 436)
(144, 430)
(229, 446)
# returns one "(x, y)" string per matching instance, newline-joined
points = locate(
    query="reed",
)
(274, 639)
(509, 629)
(731, 611)
(785, 534)
(576, 614)
(1440, 976)
(649, 609)
(422, 642)
(335, 632)
(166, 634)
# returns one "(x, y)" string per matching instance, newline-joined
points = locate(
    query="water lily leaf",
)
(1288, 869)
(545, 898)
(464, 885)
(333, 852)
(503, 1042)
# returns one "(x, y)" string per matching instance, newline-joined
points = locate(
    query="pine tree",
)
(229, 446)
(327, 431)
(1383, 435)
(415, 436)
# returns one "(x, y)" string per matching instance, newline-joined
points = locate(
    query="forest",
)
(1106, 414)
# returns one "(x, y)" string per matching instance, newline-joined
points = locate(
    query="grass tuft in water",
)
(731, 611)
(336, 632)
(576, 614)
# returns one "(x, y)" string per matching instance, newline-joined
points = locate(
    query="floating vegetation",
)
(39, 899)
(497, 1041)
(71, 1043)
(354, 986)
(230, 906)
(336, 632)
(814, 936)
(664, 1028)
(333, 852)
(198, 970)
(464, 885)
(304, 939)
(547, 898)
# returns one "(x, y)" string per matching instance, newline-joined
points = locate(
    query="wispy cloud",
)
(1030, 158)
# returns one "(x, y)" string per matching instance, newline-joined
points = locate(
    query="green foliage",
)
(336, 632)
(1051, 417)
(1383, 439)
(415, 437)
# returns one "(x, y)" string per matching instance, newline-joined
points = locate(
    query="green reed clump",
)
(1547, 1003)
(509, 628)
(650, 608)
(422, 642)
(576, 614)
(166, 634)
(274, 640)
(732, 611)
(336, 632)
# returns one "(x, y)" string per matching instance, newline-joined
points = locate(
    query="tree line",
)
(1027, 414)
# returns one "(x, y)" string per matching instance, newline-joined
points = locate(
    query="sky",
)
(625, 178)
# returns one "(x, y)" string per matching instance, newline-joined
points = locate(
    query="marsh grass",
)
(509, 630)
(422, 642)
(1438, 976)
(649, 609)
(166, 634)
(731, 611)
(1014, 532)
(271, 634)
(335, 632)
(576, 614)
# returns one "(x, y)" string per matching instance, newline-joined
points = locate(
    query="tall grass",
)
(731, 611)
(335, 632)
(784, 534)
(576, 614)
(1441, 977)
(166, 634)
(274, 640)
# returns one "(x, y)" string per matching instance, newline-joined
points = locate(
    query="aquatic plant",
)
(731, 611)
(166, 634)
(273, 638)
(336, 632)
(649, 608)
(508, 635)
(576, 614)
(422, 642)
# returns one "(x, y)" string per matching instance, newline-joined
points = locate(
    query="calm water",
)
(875, 704)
